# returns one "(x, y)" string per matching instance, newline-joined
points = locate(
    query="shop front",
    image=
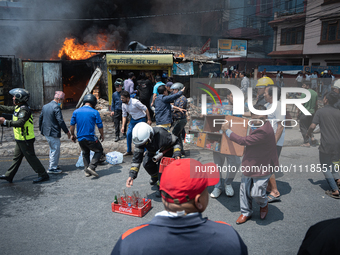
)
(132, 61)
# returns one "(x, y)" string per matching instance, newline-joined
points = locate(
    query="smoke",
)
(36, 29)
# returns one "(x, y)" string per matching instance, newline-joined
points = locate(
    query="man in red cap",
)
(50, 124)
(180, 228)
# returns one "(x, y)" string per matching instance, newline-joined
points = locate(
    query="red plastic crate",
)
(133, 211)
(164, 162)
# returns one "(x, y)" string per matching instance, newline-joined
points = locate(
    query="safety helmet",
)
(142, 133)
(89, 98)
(119, 82)
(264, 82)
(21, 95)
(177, 85)
(336, 84)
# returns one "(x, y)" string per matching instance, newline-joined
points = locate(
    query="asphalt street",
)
(71, 214)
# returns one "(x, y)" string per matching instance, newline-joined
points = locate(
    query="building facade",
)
(311, 38)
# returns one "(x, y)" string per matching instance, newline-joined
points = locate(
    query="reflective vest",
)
(27, 131)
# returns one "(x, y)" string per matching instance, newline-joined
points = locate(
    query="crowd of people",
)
(133, 110)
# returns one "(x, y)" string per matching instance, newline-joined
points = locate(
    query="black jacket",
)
(161, 141)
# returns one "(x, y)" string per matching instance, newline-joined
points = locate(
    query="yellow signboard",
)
(139, 59)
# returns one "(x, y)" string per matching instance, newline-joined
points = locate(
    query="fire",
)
(182, 55)
(155, 48)
(75, 51)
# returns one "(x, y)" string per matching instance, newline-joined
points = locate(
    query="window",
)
(265, 6)
(251, 21)
(330, 1)
(288, 5)
(330, 31)
(292, 35)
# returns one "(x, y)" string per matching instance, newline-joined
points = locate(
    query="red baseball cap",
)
(183, 179)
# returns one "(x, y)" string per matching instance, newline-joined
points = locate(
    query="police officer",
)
(155, 140)
(23, 128)
(116, 109)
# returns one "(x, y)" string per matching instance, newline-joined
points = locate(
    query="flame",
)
(75, 51)
(155, 48)
(182, 55)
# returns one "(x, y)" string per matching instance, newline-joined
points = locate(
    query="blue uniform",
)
(191, 234)
(116, 101)
(86, 119)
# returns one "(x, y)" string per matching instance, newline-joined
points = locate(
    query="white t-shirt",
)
(299, 78)
(274, 118)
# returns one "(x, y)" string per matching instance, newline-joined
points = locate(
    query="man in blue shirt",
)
(116, 108)
(163, 108)
(159, 82)
(86, 118)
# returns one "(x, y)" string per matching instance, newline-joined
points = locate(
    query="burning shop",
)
(120, 63)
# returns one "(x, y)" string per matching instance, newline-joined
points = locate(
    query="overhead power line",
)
(117, 18)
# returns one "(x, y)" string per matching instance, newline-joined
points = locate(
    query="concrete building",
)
(322, 33)
(289, 31)
(311, 38)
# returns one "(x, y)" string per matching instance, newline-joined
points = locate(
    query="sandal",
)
(272, 199)
(329, 193)
(305, 145)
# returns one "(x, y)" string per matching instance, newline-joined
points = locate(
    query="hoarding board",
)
(231, 47)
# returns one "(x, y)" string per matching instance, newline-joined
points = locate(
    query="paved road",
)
(71, 214)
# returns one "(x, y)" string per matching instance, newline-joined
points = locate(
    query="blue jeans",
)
(132, 124)
(54, 143)
(331, 175)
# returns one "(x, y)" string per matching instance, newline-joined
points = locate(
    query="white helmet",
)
(177, 85)
(336, 84)
(141, 133)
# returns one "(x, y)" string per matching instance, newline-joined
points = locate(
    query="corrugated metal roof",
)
(133, 52)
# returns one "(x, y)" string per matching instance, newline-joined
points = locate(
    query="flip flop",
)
(303, 145)
(272, 199)
(329, 193)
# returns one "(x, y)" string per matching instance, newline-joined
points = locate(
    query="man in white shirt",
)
(245, 83)
(314, 80)
(138, 113)
(299, 80)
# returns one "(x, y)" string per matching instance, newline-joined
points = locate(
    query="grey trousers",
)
(253, 187)
(232, 166)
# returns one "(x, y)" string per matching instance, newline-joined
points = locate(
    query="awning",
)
(295, 53)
